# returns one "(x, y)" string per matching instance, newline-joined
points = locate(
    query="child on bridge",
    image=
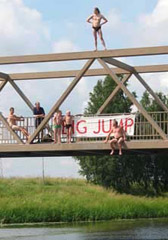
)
(57, 126)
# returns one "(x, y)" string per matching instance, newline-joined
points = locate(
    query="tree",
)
(158, 164)
(120, 104)
(126, 173)
(150, 104)
(107, 171)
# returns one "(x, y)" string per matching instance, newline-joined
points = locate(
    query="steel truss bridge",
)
(151, 129)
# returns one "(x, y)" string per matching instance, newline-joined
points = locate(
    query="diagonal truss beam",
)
(141, 80)
(119, 64)
(112, 95)
(3, 120)
(62, 99)
(5, 123)
(89, 73)
(132, 98)
(4, 78)
(2, 85)
(21, 94)
(153, 94)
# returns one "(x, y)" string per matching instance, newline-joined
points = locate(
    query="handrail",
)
(142, 130)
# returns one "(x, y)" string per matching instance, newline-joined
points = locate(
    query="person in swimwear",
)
(119, 137)
(68, 125)
(57, 124)
(13, 119)
(96, 20)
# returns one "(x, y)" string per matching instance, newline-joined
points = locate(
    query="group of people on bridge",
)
(39, 115)
(59, 121)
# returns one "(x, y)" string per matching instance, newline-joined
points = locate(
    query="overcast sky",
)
(40, 26)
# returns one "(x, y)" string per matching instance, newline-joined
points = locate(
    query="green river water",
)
(113, 230)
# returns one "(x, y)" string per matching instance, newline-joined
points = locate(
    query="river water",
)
(112, 230)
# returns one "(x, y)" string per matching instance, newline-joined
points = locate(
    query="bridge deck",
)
(76, 149)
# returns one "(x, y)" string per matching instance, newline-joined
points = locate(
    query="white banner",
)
(100, 126)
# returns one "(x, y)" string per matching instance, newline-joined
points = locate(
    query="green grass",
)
(62, 200)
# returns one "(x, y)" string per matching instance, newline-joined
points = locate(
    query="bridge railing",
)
(145, 131)
(142, 129)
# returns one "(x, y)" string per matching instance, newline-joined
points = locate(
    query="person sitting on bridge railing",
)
(68, 125)
(13, 119)
(119, 137)
(57, 124)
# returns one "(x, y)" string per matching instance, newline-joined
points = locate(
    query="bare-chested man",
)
(119, 137)
(68, 125)
(57, 124)
(96, 20)
(13, 119)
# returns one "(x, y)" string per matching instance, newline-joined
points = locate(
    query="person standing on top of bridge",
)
(119, 137)
(68, 125)
(57, 124)
(13, 119)
(95, 19)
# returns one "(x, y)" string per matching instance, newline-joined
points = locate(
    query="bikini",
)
(68, 126)
(97, 28)
(118, 138)
(13, 126)
(56, 126)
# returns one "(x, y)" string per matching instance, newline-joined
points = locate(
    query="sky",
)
(40, 26)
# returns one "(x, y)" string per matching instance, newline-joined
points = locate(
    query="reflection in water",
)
(113, 230)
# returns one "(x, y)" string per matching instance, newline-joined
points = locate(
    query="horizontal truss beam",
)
(129, 52)
(89, 73)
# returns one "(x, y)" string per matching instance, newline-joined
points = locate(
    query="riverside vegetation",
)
(70, 200)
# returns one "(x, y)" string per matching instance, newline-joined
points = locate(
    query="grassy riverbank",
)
(28, 200)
